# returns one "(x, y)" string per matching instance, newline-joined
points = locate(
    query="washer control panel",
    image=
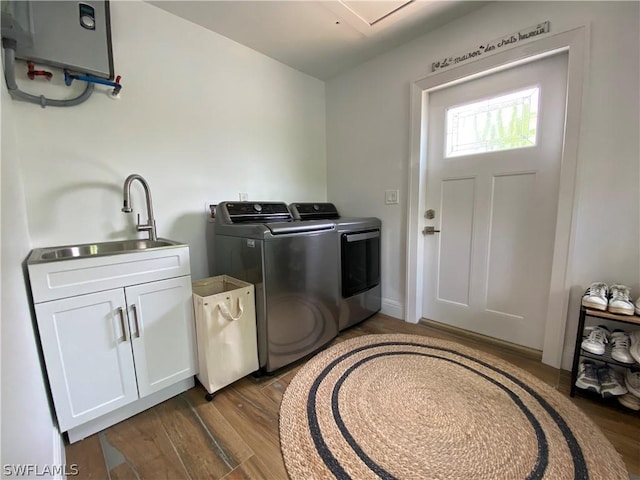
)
(314, 211)
(239, 212)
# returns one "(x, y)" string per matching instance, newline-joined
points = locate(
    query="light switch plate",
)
(391, 197)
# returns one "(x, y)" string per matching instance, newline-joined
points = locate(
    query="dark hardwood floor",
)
(236, 435)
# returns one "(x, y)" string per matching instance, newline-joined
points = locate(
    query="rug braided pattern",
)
(406, 406)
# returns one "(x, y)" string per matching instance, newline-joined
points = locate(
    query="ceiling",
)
(320, 38)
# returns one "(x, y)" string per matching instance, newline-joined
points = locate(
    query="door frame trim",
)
(575, 42)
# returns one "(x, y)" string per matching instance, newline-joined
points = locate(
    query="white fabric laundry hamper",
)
(226, 331)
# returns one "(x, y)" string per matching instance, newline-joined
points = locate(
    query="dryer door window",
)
(360, 261)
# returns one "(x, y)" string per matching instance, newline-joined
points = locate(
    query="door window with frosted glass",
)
(499, 123)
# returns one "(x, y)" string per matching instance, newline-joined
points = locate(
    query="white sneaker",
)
(611, 382)
(620, 342)
(596, 296)
(620, 300)
(632, 381)
(597, 337)
(634, 348)
(630, 401)
(638, 306)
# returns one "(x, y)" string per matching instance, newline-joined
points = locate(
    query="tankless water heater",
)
(65, 34)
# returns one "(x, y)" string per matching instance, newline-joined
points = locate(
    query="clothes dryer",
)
(358, 263)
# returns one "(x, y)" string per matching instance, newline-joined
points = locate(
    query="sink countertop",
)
(98, 249)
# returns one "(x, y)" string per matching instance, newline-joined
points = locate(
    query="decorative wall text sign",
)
(501, 42)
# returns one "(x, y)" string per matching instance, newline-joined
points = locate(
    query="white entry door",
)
(494, 148)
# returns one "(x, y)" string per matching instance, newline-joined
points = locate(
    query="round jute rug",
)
(412, 407)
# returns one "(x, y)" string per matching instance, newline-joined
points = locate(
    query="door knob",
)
(429, 230)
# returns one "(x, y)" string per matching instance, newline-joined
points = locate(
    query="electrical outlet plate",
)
(391, 197)
(243, 197)
(210, 210)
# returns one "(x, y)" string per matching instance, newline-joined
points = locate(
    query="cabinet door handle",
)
(135, 319)
(122, 323)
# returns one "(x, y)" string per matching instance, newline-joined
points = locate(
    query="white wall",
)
(368, 127)
(29, 435)
(201, 118)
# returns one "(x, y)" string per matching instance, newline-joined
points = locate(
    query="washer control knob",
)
(257, 207)
(316, 207)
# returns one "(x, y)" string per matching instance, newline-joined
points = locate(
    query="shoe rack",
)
(585, 314)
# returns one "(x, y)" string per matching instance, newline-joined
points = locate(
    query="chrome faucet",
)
(150, 226)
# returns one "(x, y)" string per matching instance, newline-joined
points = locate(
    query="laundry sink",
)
(69, 252)
(72, 270)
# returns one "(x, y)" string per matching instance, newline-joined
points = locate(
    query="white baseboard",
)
(392, 308)
(59, 456)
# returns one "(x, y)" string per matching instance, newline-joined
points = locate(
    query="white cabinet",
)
(85, 342)
(113, 353)
(162, 332)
